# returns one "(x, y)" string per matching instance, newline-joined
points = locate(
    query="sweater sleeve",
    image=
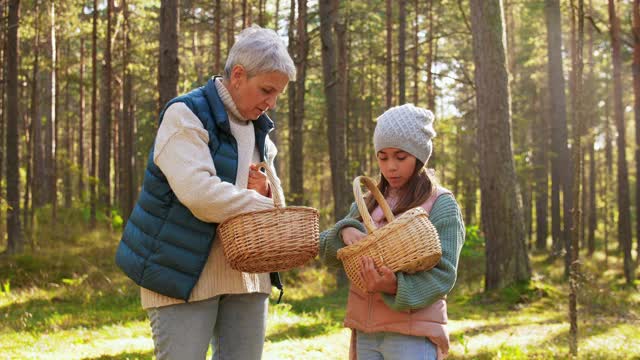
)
(331, 241)
(424, 288)
(181, 151)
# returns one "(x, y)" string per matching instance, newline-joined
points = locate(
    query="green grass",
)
(65, 299)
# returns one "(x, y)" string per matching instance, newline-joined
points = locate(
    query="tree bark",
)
(80, 159)
(218, 37)
(541, 171)
(416, 48)
(104, 168)
(335, 128)
(94, 117)
(389, 57)
(502, 219)
(402, 34)
(624, 216)
(126, 129)
(299, 48)
(169, 67)
(14, 232)
(53, 123)
(636, 107)
(558, 116)
(578, 126)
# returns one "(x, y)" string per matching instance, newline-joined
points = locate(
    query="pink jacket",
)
(369, 313)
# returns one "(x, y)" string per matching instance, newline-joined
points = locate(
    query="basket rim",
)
(384, 230)
(275, 209)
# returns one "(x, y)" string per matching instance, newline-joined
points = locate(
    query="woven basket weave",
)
(409, 243)
(271, 240)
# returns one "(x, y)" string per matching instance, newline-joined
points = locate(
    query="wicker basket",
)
(270, 240)
(409, 243)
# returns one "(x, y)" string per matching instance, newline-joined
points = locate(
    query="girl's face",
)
(397, 166)
(257, 94)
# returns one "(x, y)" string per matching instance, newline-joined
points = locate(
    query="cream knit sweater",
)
(182, 153)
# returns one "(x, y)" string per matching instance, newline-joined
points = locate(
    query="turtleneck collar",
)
(227, 100)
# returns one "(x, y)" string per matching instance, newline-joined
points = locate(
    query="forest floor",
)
(67, 300)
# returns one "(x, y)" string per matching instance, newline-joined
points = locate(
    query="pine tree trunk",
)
(502, 219)
(169, 67)
(53, 124)
(389, 56)
(541, 171)
(559, 158)
(336, 126)
(578, 127)
(431, 94)
(94, 118)
(402, 33)
(104, 168)
(218, 38)
(126, 128)
(14, 231)
(624, 221)
(416, 46)
(68, 132)
(636, 106)
(299, 47)
(80, 159)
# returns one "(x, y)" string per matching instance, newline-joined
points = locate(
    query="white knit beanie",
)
(406, 127)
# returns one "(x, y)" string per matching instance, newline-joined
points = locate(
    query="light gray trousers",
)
(234, 325)
(394, 346)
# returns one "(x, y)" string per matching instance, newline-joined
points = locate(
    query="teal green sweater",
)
(422, 288)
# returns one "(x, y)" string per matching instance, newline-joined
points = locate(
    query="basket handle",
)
(275, 194)
(362, 207)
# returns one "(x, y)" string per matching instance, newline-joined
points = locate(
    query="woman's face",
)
(253, 96)
(397, 166)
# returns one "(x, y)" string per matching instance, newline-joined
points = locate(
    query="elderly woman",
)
(201, 171)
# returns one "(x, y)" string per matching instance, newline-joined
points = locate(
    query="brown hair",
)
(413, 194)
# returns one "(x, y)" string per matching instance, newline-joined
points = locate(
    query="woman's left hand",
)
(258, 180)
(377, 281)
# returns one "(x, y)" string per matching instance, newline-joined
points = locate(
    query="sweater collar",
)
(263, 123)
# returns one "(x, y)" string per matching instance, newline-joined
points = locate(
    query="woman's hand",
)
(258, 181)
(351, 235)
(384, 281)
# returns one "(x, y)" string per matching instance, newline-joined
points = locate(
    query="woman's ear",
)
(237, 73)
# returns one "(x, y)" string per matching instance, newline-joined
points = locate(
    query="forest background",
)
(535, 139)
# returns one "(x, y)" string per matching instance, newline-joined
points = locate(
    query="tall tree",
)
(81, 109)
(402, 34)
(52, 125)
(335, 128)
(389, 57)
(14, 232)
(39, 175)
(299, 48)
(541, 171)
(578, 129)
(94, 117)
(624, 216)
(126, 127)
(636, 106)
(560, 176)
(169, 66)
(502, 219)
(217, 13)
(104, 162)
(416, 47)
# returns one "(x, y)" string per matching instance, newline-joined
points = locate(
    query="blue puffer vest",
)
(164, 247)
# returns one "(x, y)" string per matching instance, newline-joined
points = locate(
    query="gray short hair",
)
(260, 50)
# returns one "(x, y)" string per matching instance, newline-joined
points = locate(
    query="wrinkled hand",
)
(383, 280)
(258, 180)
(351, 235)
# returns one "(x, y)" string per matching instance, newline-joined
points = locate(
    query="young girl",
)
(401, 316)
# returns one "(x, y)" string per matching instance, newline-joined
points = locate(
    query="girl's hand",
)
(258, 181)
(384, 281)
(351, 235)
